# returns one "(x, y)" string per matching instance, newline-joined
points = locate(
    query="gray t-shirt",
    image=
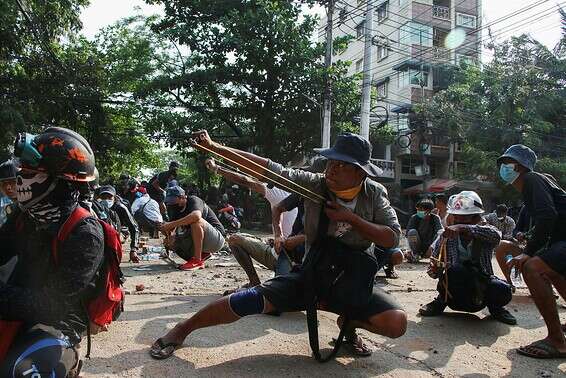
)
(372, 205)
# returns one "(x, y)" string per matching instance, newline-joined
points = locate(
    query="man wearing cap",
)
(8, 204)
(357, 213)
(470, 284)
(543, 260)
(198, 232)
(106, 195)
(158, 185)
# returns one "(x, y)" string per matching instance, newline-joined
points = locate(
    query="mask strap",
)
(41, 197)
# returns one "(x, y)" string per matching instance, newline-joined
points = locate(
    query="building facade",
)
(413, 42)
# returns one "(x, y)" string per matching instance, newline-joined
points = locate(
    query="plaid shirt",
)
(488, 238)
(506, 226)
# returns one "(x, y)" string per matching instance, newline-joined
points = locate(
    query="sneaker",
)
(192, 264)
(503, 316)
(390, 272)
(433, 308)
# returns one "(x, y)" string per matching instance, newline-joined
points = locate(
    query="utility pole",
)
(368, 68)
(328, 81)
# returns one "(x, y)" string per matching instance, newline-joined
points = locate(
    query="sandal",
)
(355, 345)
(541, 349)
(161, 350)
(391, 273)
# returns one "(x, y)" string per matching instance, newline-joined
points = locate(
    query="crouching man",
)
(357, 212)
(461, 259)
(198, 232)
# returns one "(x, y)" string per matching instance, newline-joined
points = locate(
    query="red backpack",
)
(107, 303)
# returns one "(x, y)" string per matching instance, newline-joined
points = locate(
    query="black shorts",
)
(555, 257)
(287, 292)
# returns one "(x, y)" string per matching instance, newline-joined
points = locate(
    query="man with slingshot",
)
(345, 215)
(461, 260)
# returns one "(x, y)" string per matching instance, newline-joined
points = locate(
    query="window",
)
(465, 60)
(382, 51)
(413, 33)
(466, 20)
(402, 122)
(413, 77)
(382, 89)
(382, 11)
(360, 29)
(359, 65)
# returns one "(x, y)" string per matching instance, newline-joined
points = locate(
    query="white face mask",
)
(107, 202)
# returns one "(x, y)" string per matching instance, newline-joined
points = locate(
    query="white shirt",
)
(343, 227)
(151, 211)
(274, 196)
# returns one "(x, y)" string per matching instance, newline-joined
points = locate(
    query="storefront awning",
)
(432, 186)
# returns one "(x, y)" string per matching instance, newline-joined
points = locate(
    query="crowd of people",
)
(325, 251)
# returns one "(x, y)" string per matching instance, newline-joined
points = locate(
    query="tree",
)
(251, 71)
(517, 98)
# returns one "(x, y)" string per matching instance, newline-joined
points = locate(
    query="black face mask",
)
(33, 187)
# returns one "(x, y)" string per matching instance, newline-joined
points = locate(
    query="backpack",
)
(107, 302)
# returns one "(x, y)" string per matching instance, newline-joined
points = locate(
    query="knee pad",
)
(246, 302)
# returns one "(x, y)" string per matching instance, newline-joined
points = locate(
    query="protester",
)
(469, 245)
(45, 293)
(388, 259)
(280, 254)
(358, 213)
(147, 212)
(543, 259)
(107, 196)
(158, 184)
(8, 197)
(422, 230)
(272, 194)
(503, 222)
(8, 206)
(441, 209)
(197, 229)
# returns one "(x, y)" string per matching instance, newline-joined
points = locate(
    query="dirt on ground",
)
(454, 344)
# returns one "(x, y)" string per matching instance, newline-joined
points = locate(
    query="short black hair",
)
(441, 197)
(425, 204)
(501, 208)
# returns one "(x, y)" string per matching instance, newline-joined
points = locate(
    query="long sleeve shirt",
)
(505, 226)
(546, 203)
(484, 237)
(40, 291)
(371, 204)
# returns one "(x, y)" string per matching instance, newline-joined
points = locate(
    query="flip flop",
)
(160, 350)
(541, 349)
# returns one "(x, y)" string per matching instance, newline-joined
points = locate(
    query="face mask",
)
(501, 219)
(507, 173)
(348, 194)
(107, 202)
(421, 214)
(139, 194)
(32, 188)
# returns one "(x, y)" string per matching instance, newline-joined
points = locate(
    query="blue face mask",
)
(421, 214)
(507, 173)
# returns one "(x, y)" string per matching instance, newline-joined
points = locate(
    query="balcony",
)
(388, 167)
(441, 12)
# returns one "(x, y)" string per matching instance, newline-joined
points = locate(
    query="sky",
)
(540, 21)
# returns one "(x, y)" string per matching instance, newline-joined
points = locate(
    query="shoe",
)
(433, 308)
(503, 316)
(390, 272)
(192, 264)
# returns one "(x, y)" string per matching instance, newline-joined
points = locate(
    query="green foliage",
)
(517, 98)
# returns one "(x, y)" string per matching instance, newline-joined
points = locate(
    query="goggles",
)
(26, 150)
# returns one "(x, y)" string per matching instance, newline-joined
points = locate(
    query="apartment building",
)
(414, 41)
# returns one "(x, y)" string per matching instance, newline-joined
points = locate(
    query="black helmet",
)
(57, 151)
(8, 170)
(174, 164)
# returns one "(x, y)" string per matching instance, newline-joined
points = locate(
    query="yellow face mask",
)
(348, 194)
